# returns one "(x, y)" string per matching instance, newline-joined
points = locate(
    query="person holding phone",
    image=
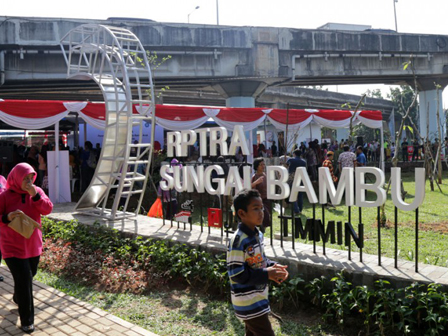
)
(21, 254)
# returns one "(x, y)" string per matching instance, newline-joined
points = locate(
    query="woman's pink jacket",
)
(12, 244)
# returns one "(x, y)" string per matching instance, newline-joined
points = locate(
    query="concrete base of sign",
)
(300, 260)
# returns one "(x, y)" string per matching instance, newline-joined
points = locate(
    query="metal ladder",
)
(115, 59)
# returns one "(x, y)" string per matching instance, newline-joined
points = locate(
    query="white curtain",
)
(97, 123)
(334, 123)
(247, 126)
(292, 127)
(75, 106)
(211, 112)
(31, 123)
(175, 125)
(370, 122)
(144, 109)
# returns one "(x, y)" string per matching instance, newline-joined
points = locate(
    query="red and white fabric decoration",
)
(36, 114)
(27, 114)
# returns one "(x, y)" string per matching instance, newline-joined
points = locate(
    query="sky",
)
(413, 16)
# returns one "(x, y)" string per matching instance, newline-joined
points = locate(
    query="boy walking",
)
(249, 269)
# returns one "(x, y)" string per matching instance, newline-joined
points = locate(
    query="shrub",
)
(104, 257)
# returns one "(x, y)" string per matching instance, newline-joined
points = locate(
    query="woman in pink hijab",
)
(2, 188)
(21, 254)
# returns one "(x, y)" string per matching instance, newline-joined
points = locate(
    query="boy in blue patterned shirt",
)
(249, 269)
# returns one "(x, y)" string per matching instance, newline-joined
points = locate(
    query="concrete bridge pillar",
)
(240, 102)
(242, 93)
(428, 114)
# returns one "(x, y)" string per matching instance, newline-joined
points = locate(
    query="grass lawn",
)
(433, 224)
(182, 312)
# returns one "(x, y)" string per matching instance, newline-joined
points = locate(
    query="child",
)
(249, 269)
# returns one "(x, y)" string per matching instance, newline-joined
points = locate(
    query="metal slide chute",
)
(115, 59)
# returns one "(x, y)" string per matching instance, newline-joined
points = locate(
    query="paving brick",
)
(40, 333)
(7, 324)
(13, 330)
(84, 329)
(11, 317)
(114, 333)
(141, 331)
(105, 321)
(103, 328)
(62, 316)
(67, 329)
(93, 315)
(73, 323)
(120, 321)
(55, 322)
(99, 312)
(59, 333)
(51, 330)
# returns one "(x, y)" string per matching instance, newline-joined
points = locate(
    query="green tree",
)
(402, 96)
(375, 93)
(369, 134)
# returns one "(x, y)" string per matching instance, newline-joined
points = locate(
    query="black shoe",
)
(1, 278)
(28, 329)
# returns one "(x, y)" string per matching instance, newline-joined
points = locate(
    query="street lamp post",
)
(395, 13)
(188, 17)
(217, 12)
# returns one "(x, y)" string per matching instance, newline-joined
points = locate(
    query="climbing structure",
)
(115, 59)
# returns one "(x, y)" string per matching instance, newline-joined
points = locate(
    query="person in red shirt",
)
(328, 162)
(21, 254)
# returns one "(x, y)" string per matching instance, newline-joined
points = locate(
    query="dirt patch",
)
(441, 227)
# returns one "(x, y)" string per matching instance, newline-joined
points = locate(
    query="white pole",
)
(395, 14)
(382, 165)
(56, 158)
(250, 159)
(217, 12)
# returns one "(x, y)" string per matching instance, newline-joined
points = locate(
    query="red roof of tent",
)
(36, 114)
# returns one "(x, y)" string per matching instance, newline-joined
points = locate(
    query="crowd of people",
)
(82, 162)
(314, 152)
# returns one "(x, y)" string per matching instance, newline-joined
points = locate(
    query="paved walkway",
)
(58, 314)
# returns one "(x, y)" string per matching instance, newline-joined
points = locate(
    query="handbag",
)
(23, 225)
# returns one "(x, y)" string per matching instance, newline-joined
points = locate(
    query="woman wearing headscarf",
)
(22, 254)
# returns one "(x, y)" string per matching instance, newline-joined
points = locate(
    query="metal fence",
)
(292, 226)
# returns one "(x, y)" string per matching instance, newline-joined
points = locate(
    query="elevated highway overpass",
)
(238, 63)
